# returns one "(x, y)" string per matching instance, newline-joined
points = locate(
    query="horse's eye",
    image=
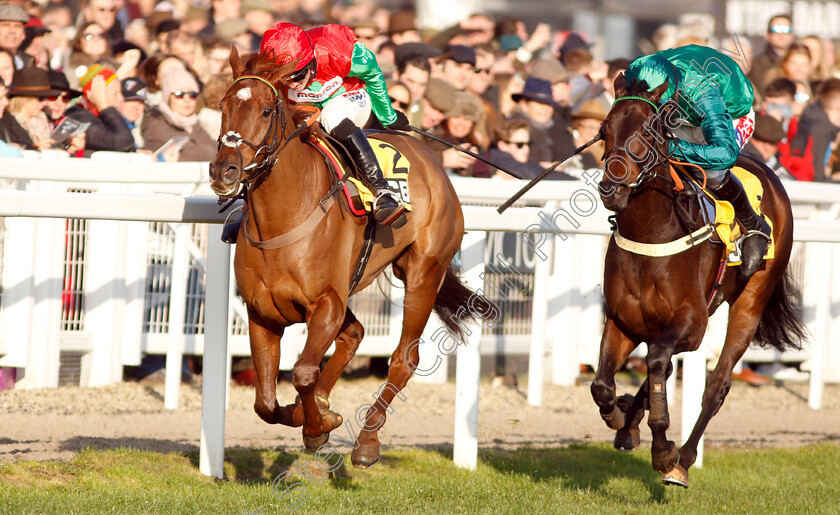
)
(266, 112)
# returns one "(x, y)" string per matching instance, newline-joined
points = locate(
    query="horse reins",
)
(271, 144)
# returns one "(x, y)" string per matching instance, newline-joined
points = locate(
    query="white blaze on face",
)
(244, 94)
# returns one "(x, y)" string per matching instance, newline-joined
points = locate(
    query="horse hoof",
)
(627, 440)
(364, 457)
(315, 443)
(677, 476)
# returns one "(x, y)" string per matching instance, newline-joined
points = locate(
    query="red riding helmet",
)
(288, 42)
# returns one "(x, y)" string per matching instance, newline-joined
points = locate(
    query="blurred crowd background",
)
(523, 85)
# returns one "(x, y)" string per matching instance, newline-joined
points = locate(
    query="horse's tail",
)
(781, 324)
(457, 305)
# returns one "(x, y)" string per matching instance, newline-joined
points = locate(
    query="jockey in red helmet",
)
(340, 75)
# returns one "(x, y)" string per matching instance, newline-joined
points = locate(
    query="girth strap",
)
(364, 254)
(664, 249)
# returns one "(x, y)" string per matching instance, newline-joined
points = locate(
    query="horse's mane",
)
(262, 64)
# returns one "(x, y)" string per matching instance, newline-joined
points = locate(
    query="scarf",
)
(186, 123)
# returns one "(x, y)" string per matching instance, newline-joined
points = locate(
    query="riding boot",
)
(387, 206)
(230, 232)
(756, 230)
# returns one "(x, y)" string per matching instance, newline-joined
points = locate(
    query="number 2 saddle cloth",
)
(395, 168)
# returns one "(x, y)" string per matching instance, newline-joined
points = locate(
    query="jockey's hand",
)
(401, 123)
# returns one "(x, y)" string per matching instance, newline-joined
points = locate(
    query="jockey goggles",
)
(301, 74)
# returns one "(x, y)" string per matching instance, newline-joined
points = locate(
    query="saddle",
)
(360, 200)
(720, 213)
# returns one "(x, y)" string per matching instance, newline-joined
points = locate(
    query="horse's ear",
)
(657, 93)
(620, 85)
(236, 63)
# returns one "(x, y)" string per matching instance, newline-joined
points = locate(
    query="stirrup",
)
(751, 258)
(381, 215)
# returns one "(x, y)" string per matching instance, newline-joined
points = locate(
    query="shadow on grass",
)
(587, 467)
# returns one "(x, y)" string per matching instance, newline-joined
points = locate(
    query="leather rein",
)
(270, 148)
(648, 173)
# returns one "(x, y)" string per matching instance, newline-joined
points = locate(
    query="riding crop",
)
(545, 172)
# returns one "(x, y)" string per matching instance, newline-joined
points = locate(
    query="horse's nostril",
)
(230, 173)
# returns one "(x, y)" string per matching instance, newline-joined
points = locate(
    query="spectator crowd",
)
(147, 76)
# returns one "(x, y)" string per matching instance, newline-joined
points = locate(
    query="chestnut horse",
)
(307, 277)
(666, 300)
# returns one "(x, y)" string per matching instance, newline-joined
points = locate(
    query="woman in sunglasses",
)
(176, 117)
(337, 73)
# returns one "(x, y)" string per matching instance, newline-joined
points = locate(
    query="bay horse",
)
(307, 278)
(666, 300)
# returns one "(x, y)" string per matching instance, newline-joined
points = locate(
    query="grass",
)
(587, 479)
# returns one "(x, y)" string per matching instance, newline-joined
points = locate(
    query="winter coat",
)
(158, 129)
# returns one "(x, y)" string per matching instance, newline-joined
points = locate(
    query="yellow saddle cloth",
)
(725, 225)
(395, 168)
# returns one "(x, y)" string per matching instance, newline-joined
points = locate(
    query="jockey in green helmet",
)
(716, 119)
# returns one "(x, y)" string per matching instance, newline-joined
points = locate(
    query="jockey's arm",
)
(721, 148)
(364, 66)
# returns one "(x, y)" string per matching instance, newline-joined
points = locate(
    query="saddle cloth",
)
(726, 227)
(395, 168)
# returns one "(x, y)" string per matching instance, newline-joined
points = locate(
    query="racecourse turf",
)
(588, 479)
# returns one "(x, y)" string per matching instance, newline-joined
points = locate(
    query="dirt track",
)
(57, 423)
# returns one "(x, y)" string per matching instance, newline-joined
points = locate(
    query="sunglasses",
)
(299, 75)
(781, 29)
(181, 94)
(481, 70)
(62, 97)
(520, 144)
(402, 105)
(91, 37)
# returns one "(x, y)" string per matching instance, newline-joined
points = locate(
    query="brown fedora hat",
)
(32, 82)
(401, 21)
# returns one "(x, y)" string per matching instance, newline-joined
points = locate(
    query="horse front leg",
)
(323, 321)
(615, 347)
(684, 332)
(346, 344)
(265, 351)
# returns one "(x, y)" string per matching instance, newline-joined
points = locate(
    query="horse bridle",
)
(649, 172)
(271, 144)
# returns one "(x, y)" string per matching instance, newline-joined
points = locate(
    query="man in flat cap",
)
(12, 20)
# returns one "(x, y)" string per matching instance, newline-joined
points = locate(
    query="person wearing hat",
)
(402, 27)
(337, 73)
(236, 30)
(586, 123)
(764, 145)
(715, 121)
(55, 107)
(456, 66)
(459, 128)
(560, 130)
(260, 16)
(511, 149)
(24, 121)
(536, 105)
(12, 34)
(176, 116)
(438, 98)
(102, 94)
(133, 107)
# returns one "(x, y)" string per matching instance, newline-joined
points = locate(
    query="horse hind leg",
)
(346, 344)
(739, 333)
(423, 279)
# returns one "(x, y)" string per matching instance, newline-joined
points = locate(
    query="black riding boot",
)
(386, 207)
(756, 230)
